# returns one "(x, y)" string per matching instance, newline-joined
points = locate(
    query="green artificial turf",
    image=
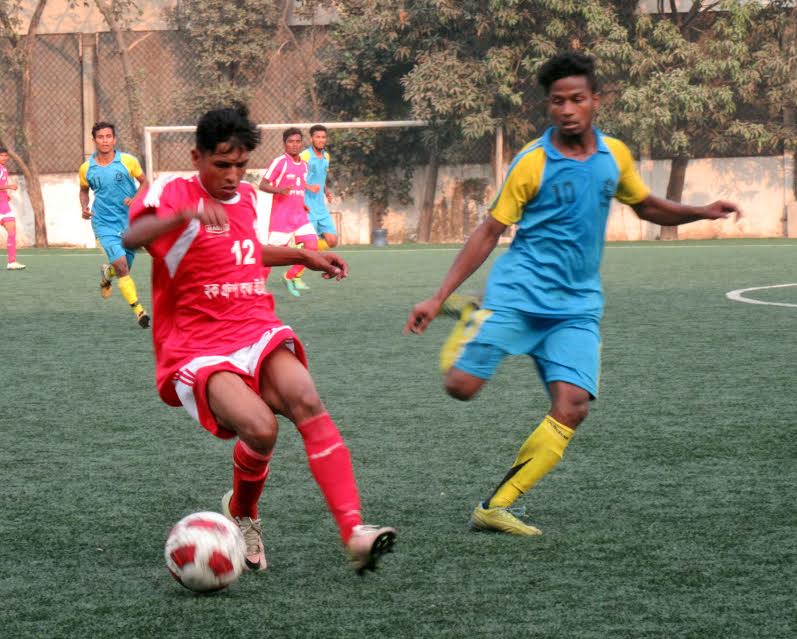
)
(672, 515)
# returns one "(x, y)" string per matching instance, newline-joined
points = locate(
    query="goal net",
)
(366, 158)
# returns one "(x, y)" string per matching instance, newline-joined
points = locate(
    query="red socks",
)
(330, 463)
(249, 473)
(309, 242)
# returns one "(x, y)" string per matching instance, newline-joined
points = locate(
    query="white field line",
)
(738, 295)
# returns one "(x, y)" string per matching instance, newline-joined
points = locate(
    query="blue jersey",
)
(317, 168)
(560, 206)
(112, 185)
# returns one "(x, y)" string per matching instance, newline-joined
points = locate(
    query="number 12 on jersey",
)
(244, 252)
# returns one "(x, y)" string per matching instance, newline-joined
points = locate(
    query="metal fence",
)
(164, 85)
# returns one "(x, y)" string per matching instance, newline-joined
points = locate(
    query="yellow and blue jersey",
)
(112, 184)
(560, 206)
(317, 168)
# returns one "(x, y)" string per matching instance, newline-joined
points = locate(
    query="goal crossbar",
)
(151, 131)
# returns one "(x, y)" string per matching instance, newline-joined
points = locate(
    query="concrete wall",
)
(760, 185)
(60, 16)
(84, 17)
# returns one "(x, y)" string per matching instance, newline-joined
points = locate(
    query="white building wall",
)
(759, 185)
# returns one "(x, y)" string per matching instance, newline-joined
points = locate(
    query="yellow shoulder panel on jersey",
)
(630, 187)
(305, 155)
(82, 172)
(521, 184)
(131, 164)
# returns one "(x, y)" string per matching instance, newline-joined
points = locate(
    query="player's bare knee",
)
(260, 431)
(305, 404)
(571, 413)
(331, 240)
(460, 389)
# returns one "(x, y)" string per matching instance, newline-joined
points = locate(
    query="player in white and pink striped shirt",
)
(285, 179)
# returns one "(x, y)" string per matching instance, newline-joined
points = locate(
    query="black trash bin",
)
(379, 237)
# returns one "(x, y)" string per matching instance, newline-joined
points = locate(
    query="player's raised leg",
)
(308, 241)
(288, 388)
(238, 408)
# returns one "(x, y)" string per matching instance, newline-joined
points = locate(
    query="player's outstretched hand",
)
(421, 316)
(331, 265)
(721, 209)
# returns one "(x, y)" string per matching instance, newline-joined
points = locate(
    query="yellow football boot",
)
(470, 320)
(501, 520)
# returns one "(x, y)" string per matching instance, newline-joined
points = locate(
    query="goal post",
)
(468, 176)
(151, 131)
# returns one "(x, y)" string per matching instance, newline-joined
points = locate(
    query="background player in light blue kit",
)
(316, 193)
(116, 178)
(544, 296)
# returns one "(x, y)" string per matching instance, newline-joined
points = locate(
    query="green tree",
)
(18, 133)
(773, 91)
(116, 14)
(225, 45)
(466, 67)
(689, 87)
(364, 61)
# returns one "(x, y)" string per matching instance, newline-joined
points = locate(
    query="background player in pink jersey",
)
(286, 179)
(7, 218)
(220, 350)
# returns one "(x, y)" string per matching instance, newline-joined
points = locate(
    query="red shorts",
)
(190, 382)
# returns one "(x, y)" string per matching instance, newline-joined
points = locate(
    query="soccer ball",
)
(205, 551)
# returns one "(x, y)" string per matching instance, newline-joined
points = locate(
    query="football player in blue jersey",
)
(543, 296)
(115, 178)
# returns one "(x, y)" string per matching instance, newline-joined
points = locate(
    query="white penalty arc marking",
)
(738, 295)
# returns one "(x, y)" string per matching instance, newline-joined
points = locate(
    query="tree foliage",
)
(18, 133)
(225, 45)
(365, 60)
(464, 66)
(690, 84)
(479, 69)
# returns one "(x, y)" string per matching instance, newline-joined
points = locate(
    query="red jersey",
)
(209, 292)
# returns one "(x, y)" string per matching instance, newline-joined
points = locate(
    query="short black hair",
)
(317, 127)
(102, 125)
(289, 132)
(229, 125)
(3, 149)
(565, 65)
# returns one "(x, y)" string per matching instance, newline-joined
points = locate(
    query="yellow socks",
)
(128, 289)
(322, 244)
(538, 455)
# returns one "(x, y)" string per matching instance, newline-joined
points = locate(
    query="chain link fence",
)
(56, 104)
(168, 93)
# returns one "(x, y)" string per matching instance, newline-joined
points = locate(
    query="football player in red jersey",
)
(220, 351)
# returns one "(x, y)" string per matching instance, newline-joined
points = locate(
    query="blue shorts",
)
(322, 222)
(564, 349)
(111, 242)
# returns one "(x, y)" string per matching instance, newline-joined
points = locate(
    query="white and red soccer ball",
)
(205, 551)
